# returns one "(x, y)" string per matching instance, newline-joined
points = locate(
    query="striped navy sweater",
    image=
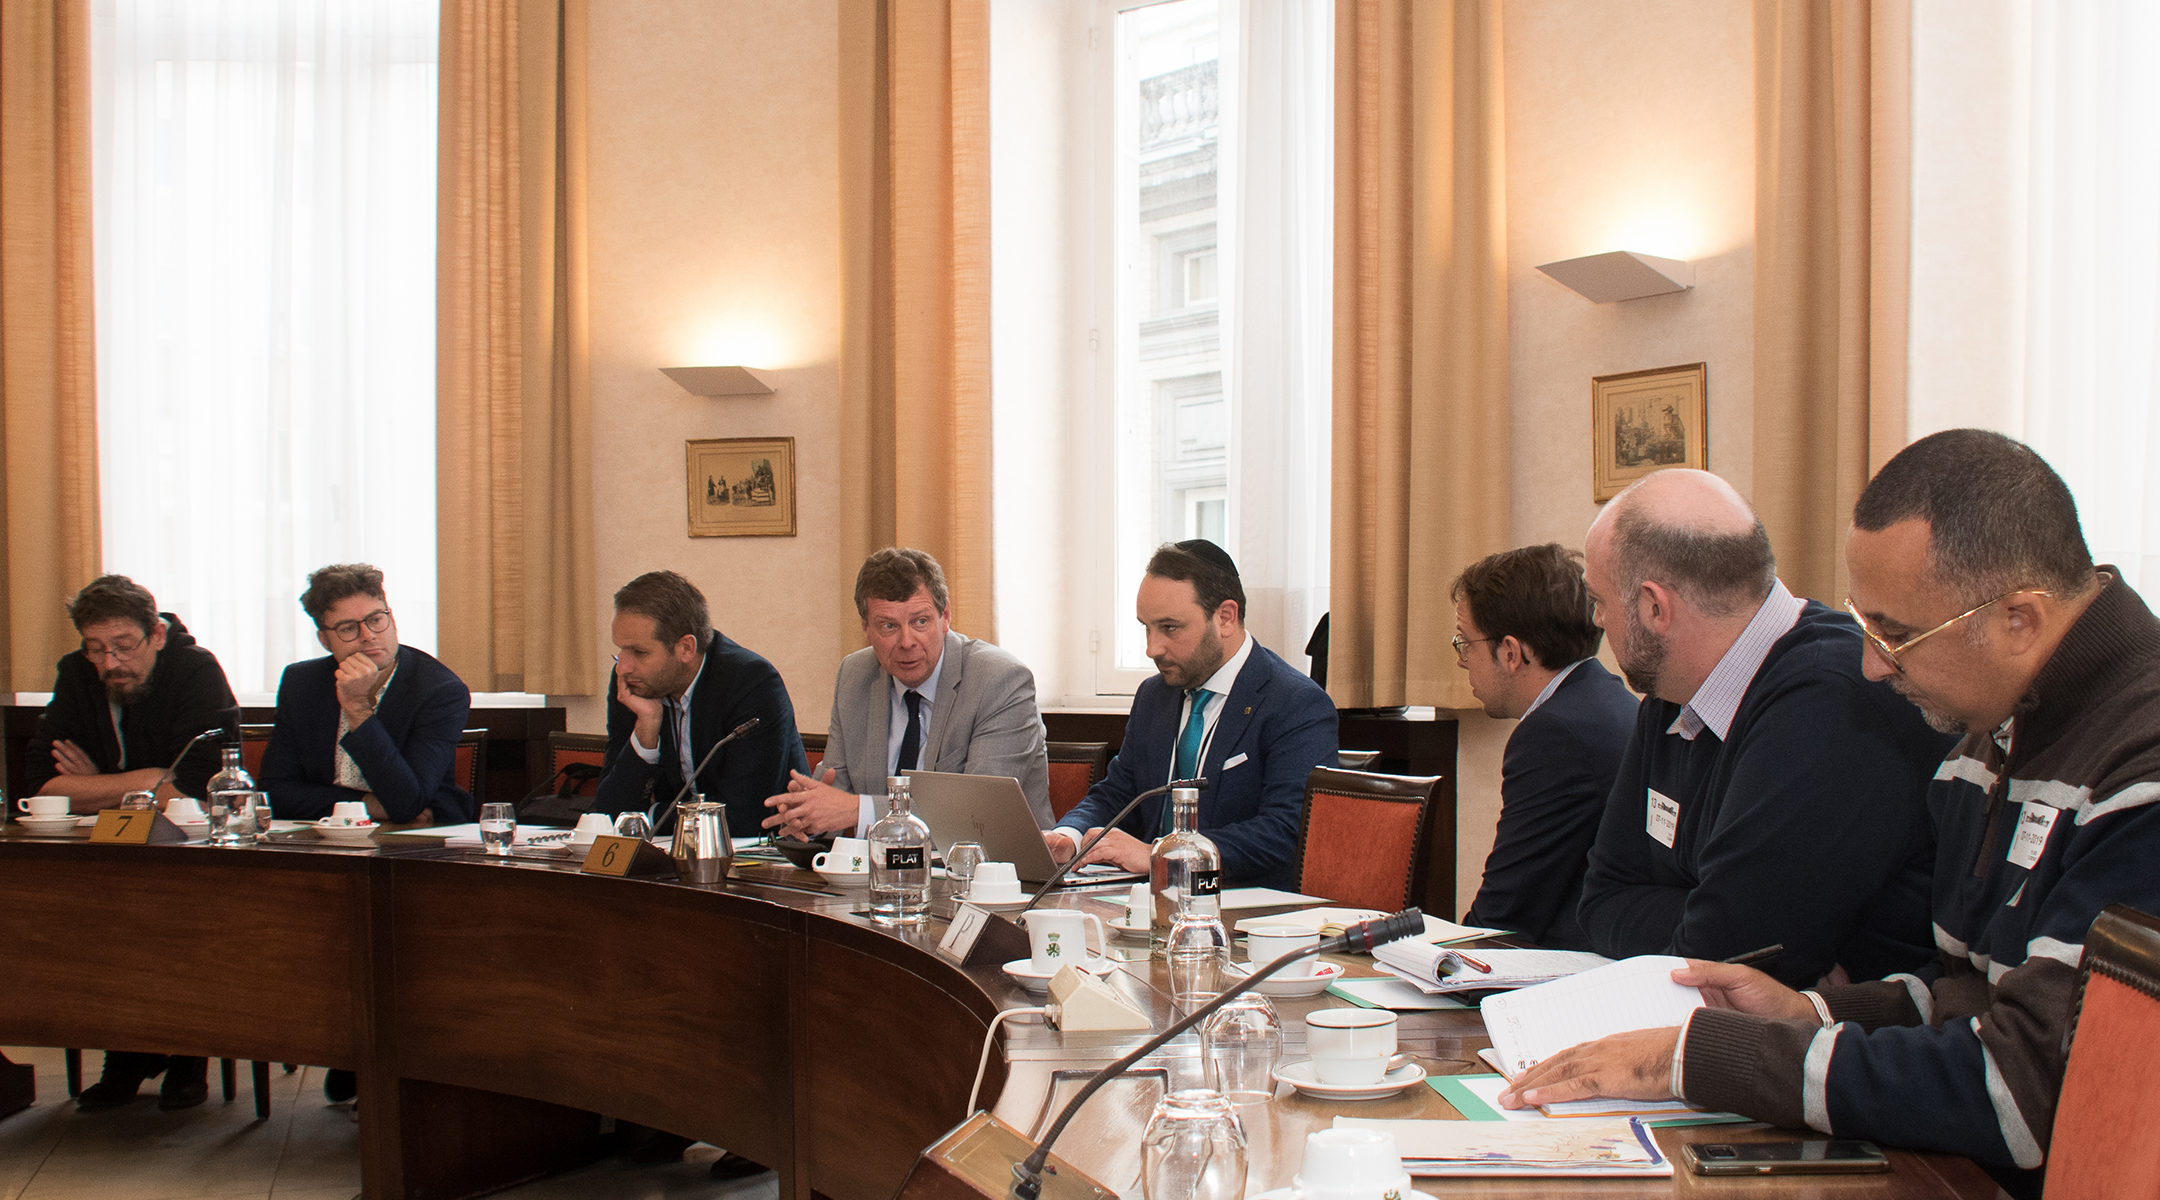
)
(1968, 1056)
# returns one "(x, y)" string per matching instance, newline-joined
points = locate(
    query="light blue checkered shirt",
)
(1714, 704)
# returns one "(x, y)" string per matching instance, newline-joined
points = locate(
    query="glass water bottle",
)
(1185, 868)
(231, 790)
(899, 860)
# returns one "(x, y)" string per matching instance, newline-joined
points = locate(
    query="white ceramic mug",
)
(1059, 936)
(1346, 1163)
(1350, 1045)
(1266, 943)
(44, 806)
(995, 883)
(184, 810)
(590, 826)
(349, 812)
(1140, 905)
(848, 856)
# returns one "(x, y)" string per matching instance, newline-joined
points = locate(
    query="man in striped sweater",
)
(1982, 606)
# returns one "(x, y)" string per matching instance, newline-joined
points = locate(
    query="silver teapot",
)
(703, 851)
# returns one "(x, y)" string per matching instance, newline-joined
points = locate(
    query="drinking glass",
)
(960, 864)
(1193, 1149)
(634, 824)
(498, 827)
(219, 817)
(1196, 948)
(1240, 1045)
(262, 815)
(138, 800)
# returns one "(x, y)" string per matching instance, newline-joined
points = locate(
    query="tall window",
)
(264, 180)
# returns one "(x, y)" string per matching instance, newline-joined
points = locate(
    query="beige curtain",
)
(48, 375)
(513, 380)
(915, 379)
(1832, 247)
(1421, 362)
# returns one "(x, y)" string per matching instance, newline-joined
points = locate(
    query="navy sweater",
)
(1805, 827)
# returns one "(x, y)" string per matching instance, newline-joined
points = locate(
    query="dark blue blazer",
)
(407, 750)
(1558, 768)
(1276, 726)
(736, 685)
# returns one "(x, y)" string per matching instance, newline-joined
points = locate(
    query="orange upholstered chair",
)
(813, 748)
(587, 748)
(2103, 1144)
(466, 768)
(1362, 840)
(1074, 768)
(254, 739)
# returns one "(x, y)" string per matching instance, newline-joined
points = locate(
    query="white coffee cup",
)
(590, 826)
(1140, 905)
(995, 883)
(349, 812)
(1347, 1163)
(184, 810)
(1266, 943)
(848, 856)
(1059, 936)
(1350, 1045)
(44, 806)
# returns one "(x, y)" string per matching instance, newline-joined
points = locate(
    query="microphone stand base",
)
(975, 1162)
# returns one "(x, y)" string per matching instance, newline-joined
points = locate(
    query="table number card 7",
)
(123, 827)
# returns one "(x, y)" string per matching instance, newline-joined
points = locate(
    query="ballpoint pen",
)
(1755, 956)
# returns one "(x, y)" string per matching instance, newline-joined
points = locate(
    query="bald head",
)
(1690, 531)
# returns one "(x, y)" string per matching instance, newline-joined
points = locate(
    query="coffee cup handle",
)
(819, 862)
(1101, 944)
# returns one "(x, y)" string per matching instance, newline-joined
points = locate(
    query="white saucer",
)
(1129, 930)
(845, 876)
(346, 835)
(1023, 972)
(1295, 987)
(1300, 1075)
(1291, 1193)
(47, 825)
(997, 905)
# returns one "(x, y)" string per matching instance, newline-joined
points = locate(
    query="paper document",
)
(1531, 1024)
(1259, 897)
(1439, 969)
(1393, 994)
(1598, 1146)
(1477, 1098)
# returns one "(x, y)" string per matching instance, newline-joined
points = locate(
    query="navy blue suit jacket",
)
(1558, 769)
(1276, 726)
(735, 685)
(407, 750)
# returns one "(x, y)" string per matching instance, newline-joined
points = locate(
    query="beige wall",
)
(1629, 127)
(715, 240)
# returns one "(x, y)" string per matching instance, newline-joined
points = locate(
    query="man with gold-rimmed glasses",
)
(1982, 606)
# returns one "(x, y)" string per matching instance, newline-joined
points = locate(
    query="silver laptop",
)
(990, 809)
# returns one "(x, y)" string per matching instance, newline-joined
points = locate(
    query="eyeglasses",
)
(120, 651)
(1462, 647)
(1893, 652)
(349, 631)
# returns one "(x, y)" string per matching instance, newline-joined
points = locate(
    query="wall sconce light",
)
(718, 381)
(1622, 275)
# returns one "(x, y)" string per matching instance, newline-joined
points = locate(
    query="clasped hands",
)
(811, 806)
(1120, 849)
(1637, 1065)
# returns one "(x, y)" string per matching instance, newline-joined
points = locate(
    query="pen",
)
(1755, 956)
(1465, 959)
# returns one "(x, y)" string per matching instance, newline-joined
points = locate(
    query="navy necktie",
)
(911, 740)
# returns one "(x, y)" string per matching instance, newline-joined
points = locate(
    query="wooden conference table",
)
(492, 1008)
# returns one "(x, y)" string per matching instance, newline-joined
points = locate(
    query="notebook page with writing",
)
(1534, 1023)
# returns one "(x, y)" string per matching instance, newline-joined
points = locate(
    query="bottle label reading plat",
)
(1207, 883)
(904, 858)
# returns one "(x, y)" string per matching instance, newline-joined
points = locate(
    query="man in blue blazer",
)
(373, 721)
(1524, 632)
(1221, 706)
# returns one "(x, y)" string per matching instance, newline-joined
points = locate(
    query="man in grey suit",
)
(919, 696)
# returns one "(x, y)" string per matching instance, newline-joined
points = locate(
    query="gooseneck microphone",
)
(167, 777)
(1058, 876)
(1359, 938)
(660, 821)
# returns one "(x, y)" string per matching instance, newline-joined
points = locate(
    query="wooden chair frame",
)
(1416, 790)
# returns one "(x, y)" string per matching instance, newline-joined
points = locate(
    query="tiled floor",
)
(307, 1150)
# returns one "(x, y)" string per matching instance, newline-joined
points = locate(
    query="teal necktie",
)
(1188, 746)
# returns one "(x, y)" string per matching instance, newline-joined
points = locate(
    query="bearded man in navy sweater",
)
(1770, 794)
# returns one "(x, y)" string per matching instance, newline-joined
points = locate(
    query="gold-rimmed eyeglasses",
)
(1893, 652)
(349, 631)
(1462, 647)
(116, 651)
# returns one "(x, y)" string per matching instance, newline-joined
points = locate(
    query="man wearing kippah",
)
(1222, 707)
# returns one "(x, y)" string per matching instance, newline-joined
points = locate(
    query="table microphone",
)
(1358, 939)
(660, 821)
(1058, 876)
(167, 777)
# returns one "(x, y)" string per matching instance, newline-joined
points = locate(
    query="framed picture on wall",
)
(742, 487)
(1644, 421)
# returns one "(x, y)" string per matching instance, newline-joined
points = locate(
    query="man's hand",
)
(68, 759)
(1628, 1066)
(1062, 843)
(1120, 849)
(812, 806)
(357, 679)
(646, 711)
(1744, 989)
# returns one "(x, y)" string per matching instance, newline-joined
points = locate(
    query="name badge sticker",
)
(1663, 819)
(2034, 824)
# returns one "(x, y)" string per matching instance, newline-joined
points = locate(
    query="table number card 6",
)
(611, 855)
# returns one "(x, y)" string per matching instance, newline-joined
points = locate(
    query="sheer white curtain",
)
(1277, 223)
(264, 174)
(2036, 230)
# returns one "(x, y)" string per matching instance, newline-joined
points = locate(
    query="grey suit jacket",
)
(984, 721)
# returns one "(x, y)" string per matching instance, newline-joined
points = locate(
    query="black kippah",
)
(1209, 552)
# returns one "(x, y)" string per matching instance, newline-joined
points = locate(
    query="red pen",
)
(1482, 968)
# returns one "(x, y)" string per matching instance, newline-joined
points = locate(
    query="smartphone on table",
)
(1792, 1156)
